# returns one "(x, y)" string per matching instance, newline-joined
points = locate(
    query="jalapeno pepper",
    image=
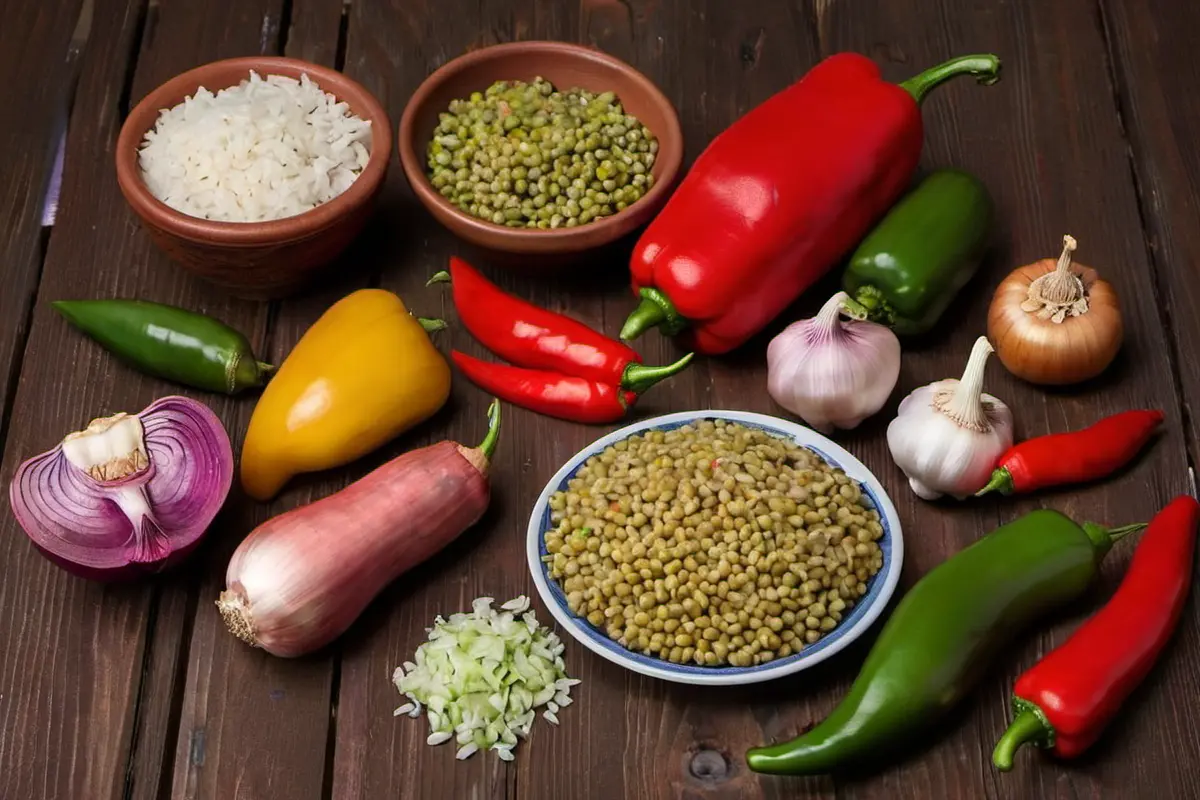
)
(170, 342)
(944, 634)
(1066, 700)
(779, 197)
(913, 263)
(1061, 458)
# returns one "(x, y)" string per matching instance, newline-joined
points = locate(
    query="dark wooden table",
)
(137, 691)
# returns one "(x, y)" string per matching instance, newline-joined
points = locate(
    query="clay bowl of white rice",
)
(254, 173)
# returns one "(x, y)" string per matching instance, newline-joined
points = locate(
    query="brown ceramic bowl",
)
(255, 259)
(565, 66)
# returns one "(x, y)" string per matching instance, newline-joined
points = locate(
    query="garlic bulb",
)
(833, 373)
(948, 435)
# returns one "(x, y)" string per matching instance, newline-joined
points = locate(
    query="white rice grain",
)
(265, 149)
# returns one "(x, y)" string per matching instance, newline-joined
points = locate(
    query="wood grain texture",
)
(138, 691)
(71, 651)
(36, 72)
(1152, 58)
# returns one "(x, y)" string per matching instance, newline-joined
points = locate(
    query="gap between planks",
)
(1120, 97)
(8, 389)
(145, 18)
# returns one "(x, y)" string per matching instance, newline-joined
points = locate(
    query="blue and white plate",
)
(865, 611)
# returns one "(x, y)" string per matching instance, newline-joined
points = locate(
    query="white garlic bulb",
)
(833, 373)
(948, 435)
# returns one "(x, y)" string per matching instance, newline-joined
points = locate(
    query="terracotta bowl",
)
(565, 66)
(255, 259)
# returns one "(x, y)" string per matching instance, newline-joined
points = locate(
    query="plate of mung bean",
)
(715, 547)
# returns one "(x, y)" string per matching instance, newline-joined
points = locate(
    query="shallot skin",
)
(300, 579)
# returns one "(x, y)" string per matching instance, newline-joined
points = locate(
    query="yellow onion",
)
(1055, 323)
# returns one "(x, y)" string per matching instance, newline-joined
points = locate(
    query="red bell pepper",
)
(775, 200)
(1066, 700)
(1076, 457)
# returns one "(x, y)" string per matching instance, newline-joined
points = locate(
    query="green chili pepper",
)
(910, 267)
(944, 634)
(170, 342)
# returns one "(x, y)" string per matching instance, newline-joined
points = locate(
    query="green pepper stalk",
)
(488, 446)
(943, 635)
(170, 342)
(985, 67)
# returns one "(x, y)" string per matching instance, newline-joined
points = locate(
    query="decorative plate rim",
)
(865, 612)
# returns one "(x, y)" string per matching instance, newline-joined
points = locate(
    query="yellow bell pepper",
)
(364, 373)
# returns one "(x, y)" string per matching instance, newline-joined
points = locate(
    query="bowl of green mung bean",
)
(715, 547)
(540, 148)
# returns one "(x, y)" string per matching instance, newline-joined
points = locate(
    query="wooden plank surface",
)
(36, 72)
(71, 650)
(1154, 67)
(187, 711)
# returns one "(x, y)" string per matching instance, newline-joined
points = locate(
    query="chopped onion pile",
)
(482, 676)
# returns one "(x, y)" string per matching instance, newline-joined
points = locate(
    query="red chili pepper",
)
(528, 336)
(553, 393)
(779, 197)
(1064, 702)
(1076, 457)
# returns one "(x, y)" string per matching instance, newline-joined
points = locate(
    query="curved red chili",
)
(1065, 701)
(524, 334)
(1075, 457)
(551, 393)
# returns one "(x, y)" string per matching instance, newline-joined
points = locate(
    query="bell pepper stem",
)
(637, 378)
(438, 277)
(265, 368)
(1001, 482)
(488, 445)
(985, 67)
(877, 308)
(431, 324)
(1029, 726)
(655, 310)
(854, 309)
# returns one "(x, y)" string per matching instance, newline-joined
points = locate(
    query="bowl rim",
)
(277, 231)
(884, 582)
(414, 165)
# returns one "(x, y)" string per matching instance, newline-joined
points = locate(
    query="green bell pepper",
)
(944, 635)
(910, 267)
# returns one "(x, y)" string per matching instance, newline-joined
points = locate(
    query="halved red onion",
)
(130, 494)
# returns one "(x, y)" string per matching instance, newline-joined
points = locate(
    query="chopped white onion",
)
(483, 675)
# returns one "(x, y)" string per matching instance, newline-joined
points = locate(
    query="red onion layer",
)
(140, 522)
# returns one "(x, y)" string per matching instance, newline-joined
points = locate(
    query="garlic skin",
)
(948, 435)
(833, 373)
